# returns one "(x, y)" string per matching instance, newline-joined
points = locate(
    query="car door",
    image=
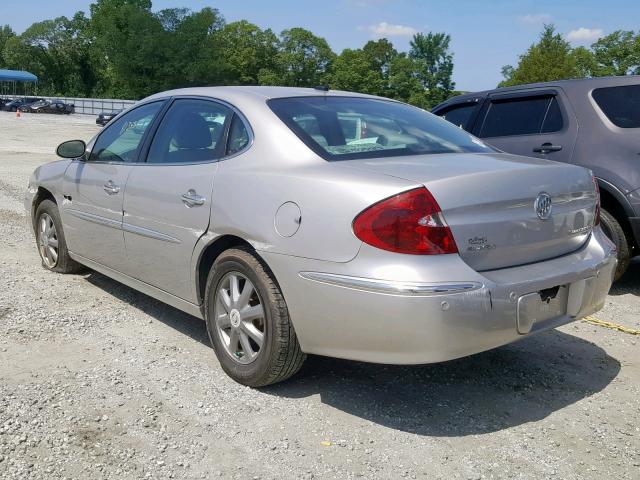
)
(535, 123)
(167, 203)
(93, 189)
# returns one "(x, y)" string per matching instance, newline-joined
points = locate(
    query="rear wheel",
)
(612, 229)
(248, 321)
(50, 239)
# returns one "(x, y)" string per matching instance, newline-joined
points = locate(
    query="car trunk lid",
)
(489, 202)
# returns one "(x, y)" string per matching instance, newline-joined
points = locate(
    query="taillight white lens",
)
(410, 222)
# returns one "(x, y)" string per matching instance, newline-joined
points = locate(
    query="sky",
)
(485, 35)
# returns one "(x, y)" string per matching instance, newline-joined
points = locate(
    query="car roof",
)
(569, 85)
(256, 93)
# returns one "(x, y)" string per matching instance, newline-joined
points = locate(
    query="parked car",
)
(105, 117)
(19, 103)
(590, 122)
(288, 236)
(49, 106)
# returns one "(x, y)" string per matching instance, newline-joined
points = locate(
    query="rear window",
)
(347, 128)
(522, 116)
(621, 105)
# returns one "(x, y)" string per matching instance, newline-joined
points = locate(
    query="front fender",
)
(47, 177)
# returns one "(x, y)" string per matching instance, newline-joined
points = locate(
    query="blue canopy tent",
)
(10, 80)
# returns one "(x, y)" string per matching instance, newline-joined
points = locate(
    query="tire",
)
(61, 262)
(614, 231)
(278, 356)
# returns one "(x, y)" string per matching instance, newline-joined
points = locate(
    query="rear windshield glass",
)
(621, 105)
(347, 128)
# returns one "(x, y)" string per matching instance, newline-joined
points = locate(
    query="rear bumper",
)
(403, 309)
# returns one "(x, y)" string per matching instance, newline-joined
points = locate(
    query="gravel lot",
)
(99, 381)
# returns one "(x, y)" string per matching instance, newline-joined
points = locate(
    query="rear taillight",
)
(596, 218)
(410, 222)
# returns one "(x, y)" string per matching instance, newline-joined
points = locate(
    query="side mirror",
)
(71, 149)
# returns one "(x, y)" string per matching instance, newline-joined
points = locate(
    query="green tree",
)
(404, 84)
(244, 50)
(434, 65)
(551, 58)
(6, 32)
(128, 47)
(380, 54)
(303, 60)
(57, 52)
(352, 70)
(616, 54)
(192, 57)
(364, 70)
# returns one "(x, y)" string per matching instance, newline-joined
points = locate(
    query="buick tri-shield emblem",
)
(542, 206)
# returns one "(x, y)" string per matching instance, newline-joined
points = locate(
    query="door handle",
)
(192, 199)
(111, 188)
(547, 148)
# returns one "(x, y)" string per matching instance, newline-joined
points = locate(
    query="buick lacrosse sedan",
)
(298, 221)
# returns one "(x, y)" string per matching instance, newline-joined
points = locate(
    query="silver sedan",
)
(299, 221)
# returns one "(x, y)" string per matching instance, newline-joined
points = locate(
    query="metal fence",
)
(93, 106)
(86, 106)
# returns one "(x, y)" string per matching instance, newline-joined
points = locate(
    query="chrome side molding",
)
(146, 232)
(391, 287)
(127, 227)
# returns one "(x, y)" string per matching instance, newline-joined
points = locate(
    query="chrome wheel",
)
(48, 240)
(239, 317)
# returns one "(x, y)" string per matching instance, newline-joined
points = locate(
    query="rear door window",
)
(191, 131)
(238, 136)
(553, 119)
(460, 115)
(516, 116)
(621, 105)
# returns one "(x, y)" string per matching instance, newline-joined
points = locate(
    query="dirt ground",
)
(99, 381)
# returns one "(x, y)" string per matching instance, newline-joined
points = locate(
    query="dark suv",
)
(591, 122)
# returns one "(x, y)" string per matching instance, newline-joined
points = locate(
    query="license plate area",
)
(540, 306)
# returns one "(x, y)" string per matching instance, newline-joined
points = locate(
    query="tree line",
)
(123, 49)
(553, 58)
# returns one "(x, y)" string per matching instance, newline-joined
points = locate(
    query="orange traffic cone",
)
(17, 113)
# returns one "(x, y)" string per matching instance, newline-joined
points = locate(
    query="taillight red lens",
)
(596, 219)
(410, 222)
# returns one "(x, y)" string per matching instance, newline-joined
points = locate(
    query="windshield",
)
(347, 128)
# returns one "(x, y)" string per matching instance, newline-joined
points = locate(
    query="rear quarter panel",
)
(278, 168)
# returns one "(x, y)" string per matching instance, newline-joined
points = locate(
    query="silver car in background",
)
(299, 221)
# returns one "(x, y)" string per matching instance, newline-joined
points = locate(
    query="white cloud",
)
(384, 29)
(535, 18)
(585, 35)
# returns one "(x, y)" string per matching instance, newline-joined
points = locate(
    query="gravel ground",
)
(99, 381)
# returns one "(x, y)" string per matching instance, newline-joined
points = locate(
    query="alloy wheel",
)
(47, 240)
(239, 317)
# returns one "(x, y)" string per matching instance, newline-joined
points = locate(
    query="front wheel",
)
(50, 239)
(248, 321)
(612, 229)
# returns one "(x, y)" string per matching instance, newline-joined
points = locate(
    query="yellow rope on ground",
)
(614, 326)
